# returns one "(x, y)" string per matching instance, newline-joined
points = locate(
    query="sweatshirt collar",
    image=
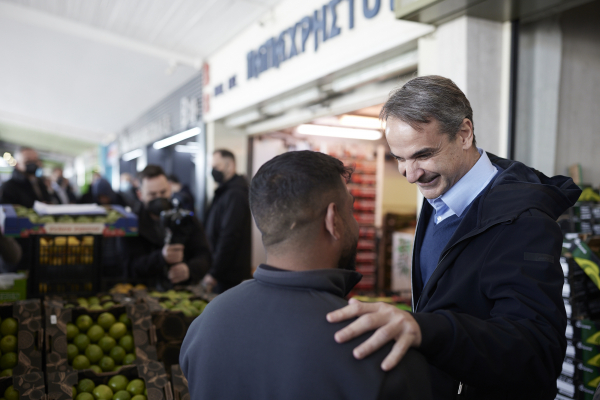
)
(338, 282)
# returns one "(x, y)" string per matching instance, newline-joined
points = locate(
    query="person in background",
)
(10, 254)
(181, 193)
(103, 194)
(228, 224)
(87, 196)
(25, 187)
(268, 338)
(129, 191)
(147, 255)
(61, 187)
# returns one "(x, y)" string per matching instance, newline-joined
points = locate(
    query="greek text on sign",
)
(74, 229)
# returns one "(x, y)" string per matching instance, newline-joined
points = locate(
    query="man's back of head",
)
(268, 338)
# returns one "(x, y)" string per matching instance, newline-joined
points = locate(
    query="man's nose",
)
(412, 172)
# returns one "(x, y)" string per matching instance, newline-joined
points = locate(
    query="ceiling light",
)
(358, 121)
(187, 149)
(133, 154)
(7, 156)
(176, 138)
(334, 131)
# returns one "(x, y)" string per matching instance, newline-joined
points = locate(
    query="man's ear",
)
(466, 133)
(331, 221)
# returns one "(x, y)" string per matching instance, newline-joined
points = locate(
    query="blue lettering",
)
(306, 30)
(320, 25)
(250, 59)
(292, 34)
(335, 30)
(218, 90)
(351, 14)
(263, 59)
(232, 82)
(371, 12)
(279, 50)
(392, 5)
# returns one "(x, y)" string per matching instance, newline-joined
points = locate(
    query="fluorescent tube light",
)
(358, 121)
(176, 138)
(338, 132)
(132, 155)
(180, 148)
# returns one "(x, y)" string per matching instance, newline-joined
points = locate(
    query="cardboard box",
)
(30, 386)
(30, 336)
(57, 317)
(179, 383)
(60, 384)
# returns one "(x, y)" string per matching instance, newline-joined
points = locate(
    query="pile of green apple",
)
(102, 346)
(93, 303)
(180, 301)
(117, 388)
(8, 346)
(110, 218)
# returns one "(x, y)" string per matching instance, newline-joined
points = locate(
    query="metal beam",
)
(38, 18)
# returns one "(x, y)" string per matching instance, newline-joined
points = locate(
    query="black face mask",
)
(158, 205)
(218, 176)
(31, 168)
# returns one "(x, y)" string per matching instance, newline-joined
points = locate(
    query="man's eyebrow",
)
(418, 153)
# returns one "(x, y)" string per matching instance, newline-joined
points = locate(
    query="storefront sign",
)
(322, 25)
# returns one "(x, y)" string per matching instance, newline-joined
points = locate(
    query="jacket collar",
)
(236, 180)
(338, 282)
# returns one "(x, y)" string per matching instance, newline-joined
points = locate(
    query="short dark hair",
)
(225, 154)
(151, 171)
(291, 190)
(173, 178)
(426, 98)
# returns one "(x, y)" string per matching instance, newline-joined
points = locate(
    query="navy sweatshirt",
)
(268, 338)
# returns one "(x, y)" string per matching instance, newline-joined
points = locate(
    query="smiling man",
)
(487, 282)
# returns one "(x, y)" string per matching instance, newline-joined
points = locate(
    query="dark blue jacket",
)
(268, 338)
(492, 314)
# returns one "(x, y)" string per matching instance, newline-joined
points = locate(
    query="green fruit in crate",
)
(94, 353)
(95, 333)
(95, 307)
(84, 322)
(65, 219)
(122, 395)
(107, 364)
(46, 219)
(100, 220)
(34, 218)
(86, 386)
(136, 386)
(72, 352)
(72, 331)
(129, 359)
(84, 396)
(118, 354)
(96, 369)
(107, 343)
(118, 330)
(126, 342)
(118, 383)
(6, 372)
(106, 297)
(9, 326)
(81, 341)
(106, 320)
(11, 394)
(93, 300)
(8, 344)
(139, 397)
(108, 305)
(8, 361)
(124, 319)
(81, 362)
(102, 392)
(74, 392)
(82, 219)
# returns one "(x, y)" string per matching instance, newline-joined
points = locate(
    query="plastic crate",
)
(65, 265)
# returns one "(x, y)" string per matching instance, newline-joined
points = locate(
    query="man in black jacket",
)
(148, 256)
(268, 338)
(228, 225)
(24, 187)
(487, 283)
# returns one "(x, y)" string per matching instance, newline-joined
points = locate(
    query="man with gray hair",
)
(487, 282)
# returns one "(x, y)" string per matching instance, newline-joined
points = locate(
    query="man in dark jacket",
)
(24, 187)
(267, 338)
(487, 283)
(228, 225)
(148, 256)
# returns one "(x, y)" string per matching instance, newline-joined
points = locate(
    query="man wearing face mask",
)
(228, 225)
(148, 255)
(25, 187)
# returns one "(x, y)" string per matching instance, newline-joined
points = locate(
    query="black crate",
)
(65, 265)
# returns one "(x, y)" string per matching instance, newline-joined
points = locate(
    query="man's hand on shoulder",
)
(179, 273)
(389, 323)
(209, 282)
